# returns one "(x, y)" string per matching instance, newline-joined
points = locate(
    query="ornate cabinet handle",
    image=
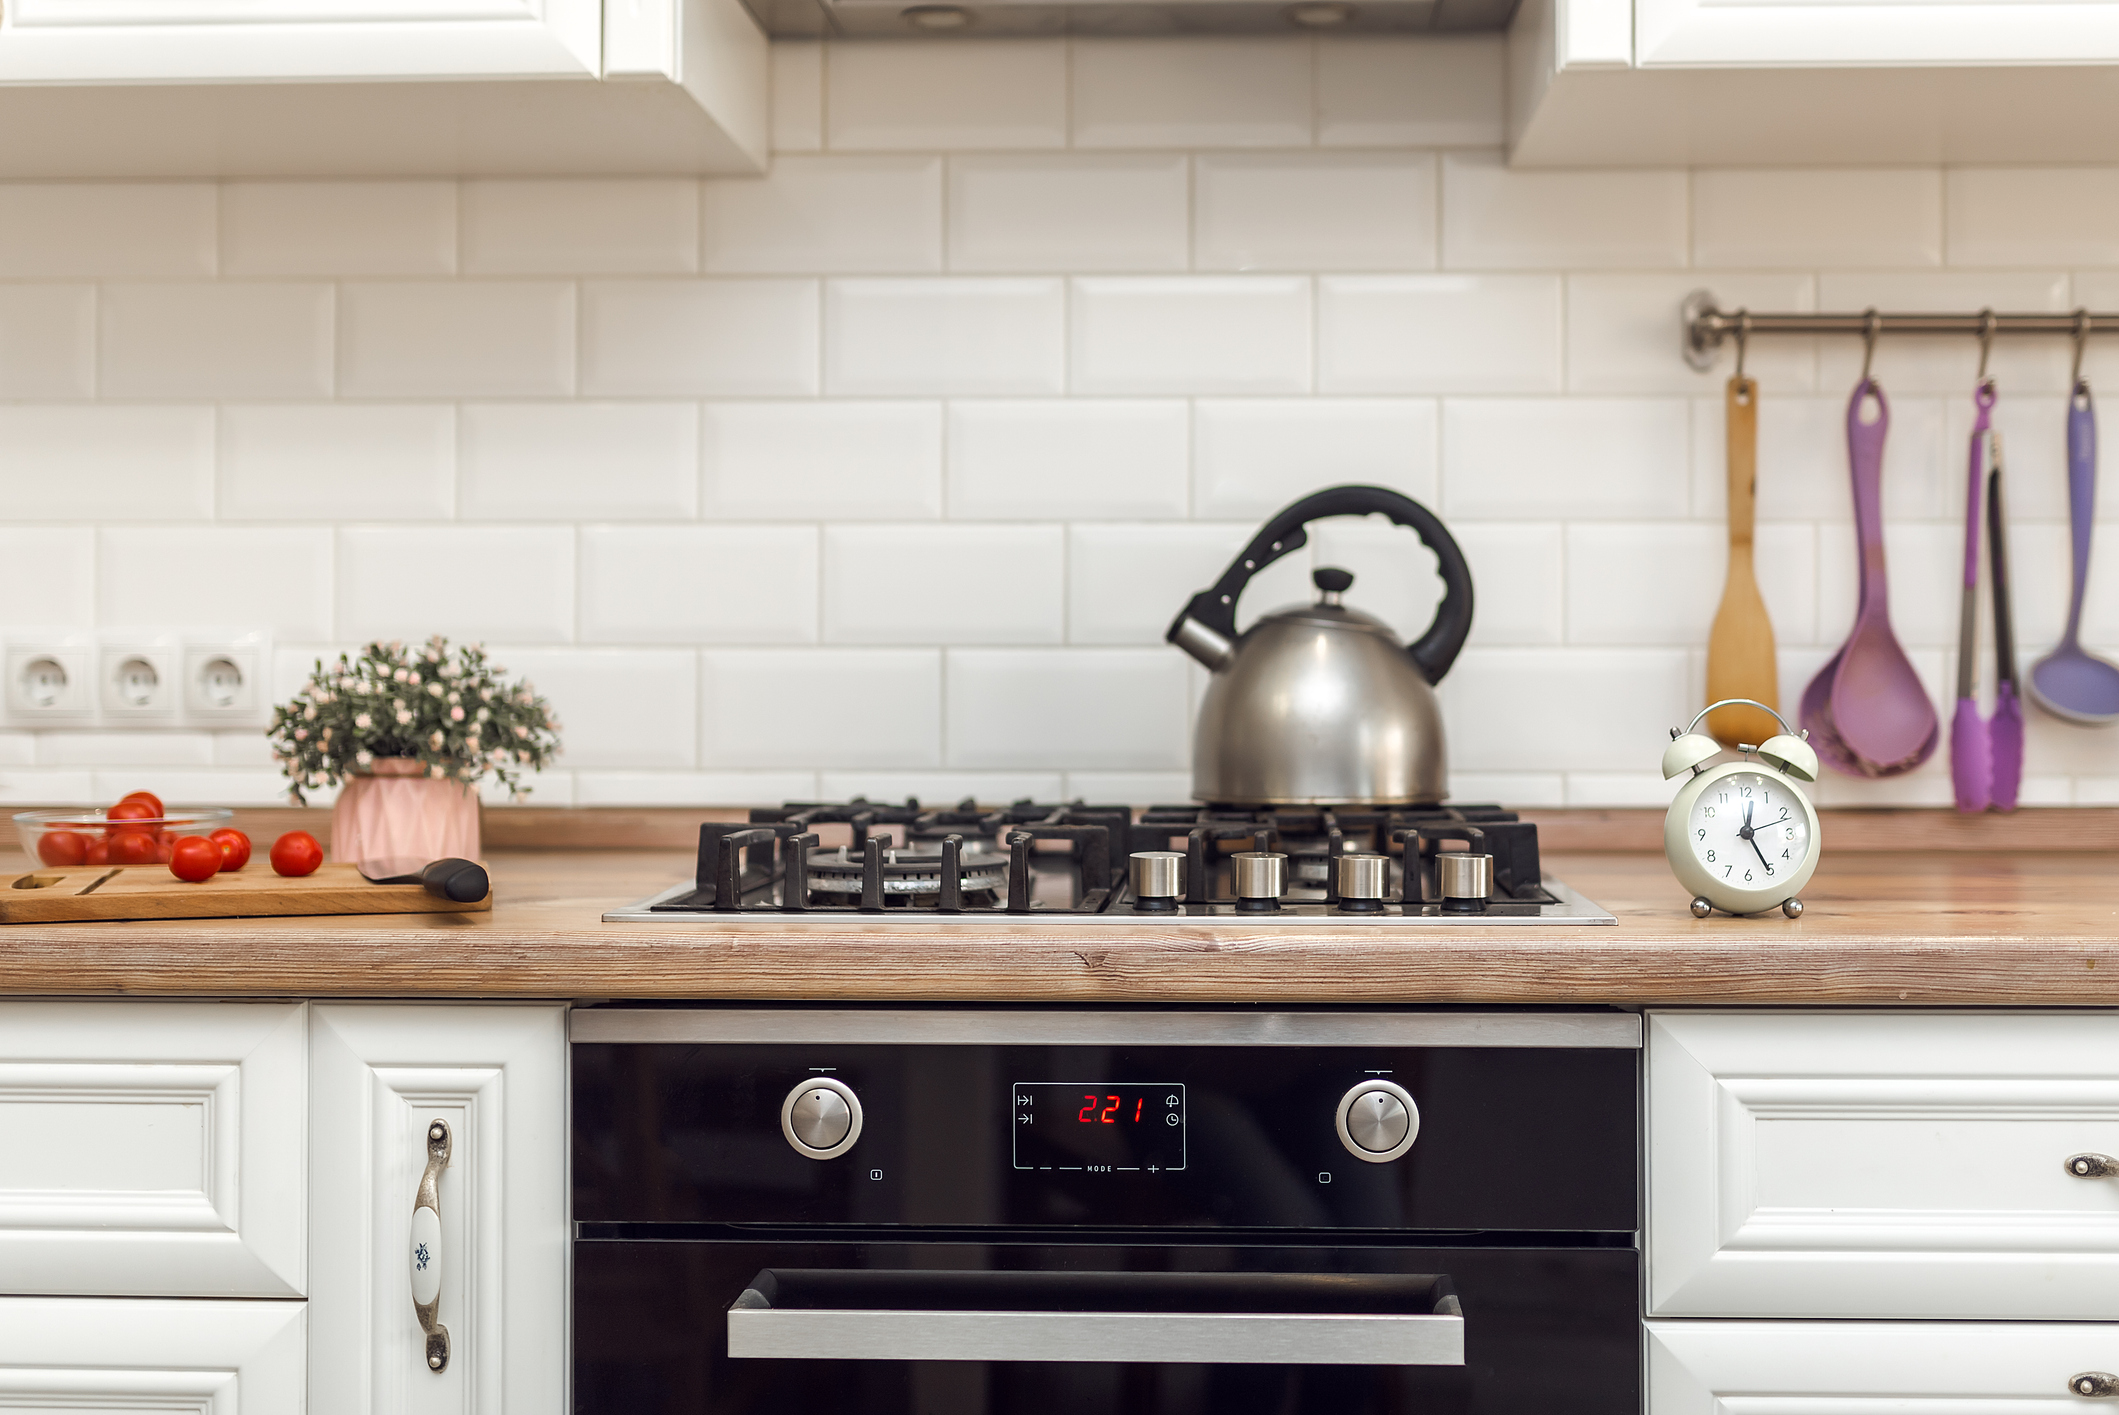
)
(2101, 1385)
(2091, 1166)
(426, 1247)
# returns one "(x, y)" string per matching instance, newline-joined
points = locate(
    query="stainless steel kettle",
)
(1320, 704)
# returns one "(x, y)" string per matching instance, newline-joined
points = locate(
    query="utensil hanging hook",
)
(1872, 324)
(1743, 337)
(2082, 339)
(1986, 341)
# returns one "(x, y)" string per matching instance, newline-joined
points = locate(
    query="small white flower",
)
(301, 734)
(434, 690)
(437, 769)
(522, 732)
(436, 740)
(485, 715)
(400, 675)
(364, 758)
(456, 697)
(309, 713)
(456, 714)
(404, 719)
(364, 722)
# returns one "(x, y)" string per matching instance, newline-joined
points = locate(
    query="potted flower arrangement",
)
(410, 733)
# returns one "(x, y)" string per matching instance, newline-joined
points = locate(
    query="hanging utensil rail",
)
(1705, 327)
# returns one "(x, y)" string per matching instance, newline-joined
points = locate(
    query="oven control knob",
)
(1378, 1121)
(821, 1118)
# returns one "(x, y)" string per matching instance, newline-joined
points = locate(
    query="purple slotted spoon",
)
(1867, 712)
(2071, 682)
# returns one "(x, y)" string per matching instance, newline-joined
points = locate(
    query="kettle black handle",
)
(1433, 652)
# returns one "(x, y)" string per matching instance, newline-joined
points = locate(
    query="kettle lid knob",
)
(1332, 582)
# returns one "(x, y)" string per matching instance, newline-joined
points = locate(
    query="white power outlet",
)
(224, 681)
(49, 682)
(139, 681)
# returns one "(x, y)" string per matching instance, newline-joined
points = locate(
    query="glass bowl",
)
(62, 839)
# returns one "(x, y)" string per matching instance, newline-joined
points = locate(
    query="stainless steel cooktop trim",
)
(943, 1026)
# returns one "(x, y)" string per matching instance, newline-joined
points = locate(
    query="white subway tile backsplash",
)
(1430, 90)
(699, 584)
(1847, 217)
(92, 749)
(2018, 216)
(1071, 459)
(798, 95)
(1518, 590)
(1068, 709)
(494, 338)
(1226, 91)
(578, 461)
(45, 787)
(607, 226)
(1803, 473)
(1252, 456)
(1117, 788)
(47, 341)
(1498, 218)
(1008, 584)
(1619, 334)
(1924, 566)
(338, 228)
(1125, 583)
(1191, 334)
(692, 788)
(1438, 333)
(87, 462)
(928, 337)
(106, 229)
(944, 788)
(1072, 211)
(264, 340)
(618, 708)
(47, 578)
(731, 338)
(842, 460)
(181, 786)
(1945, 365)
(468, 582)
(965, 94)
(1588, 458)
(853, 215)
(245, 749)
(17, 749)
(1315, 211)
(1519, 789)
(277, 579)
(335, 461)
(1568, 710)
(790, 707)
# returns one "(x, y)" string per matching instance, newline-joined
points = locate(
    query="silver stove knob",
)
(821, 1118)
(1360, 881)
(1156, 877)
(1465, 881)
(1378, 1121)
(1260, 877)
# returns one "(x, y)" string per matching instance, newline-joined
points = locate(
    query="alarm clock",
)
(1741, 836)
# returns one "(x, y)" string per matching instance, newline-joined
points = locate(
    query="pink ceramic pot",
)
(399, 812)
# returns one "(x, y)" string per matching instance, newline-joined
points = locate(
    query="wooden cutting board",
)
(152, 892)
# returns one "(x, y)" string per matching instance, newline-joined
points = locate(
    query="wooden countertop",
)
(1926, 927)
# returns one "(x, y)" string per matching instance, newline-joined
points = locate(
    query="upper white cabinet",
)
(172, 88)
(1631, 82)
(1882, 1165)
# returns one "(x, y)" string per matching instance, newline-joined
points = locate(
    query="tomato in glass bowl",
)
(69, 839)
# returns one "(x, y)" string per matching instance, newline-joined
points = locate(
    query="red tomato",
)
(134, 847)
(296, 853)
(235, 847)
(98, 851)
(130, 811)
(62, 847)
(145, 798)
(195, 859)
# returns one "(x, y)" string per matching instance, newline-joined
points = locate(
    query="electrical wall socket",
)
(224, 681)
(49, 682)
(139, 682)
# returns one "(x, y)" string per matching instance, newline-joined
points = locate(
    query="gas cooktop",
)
(872, 863)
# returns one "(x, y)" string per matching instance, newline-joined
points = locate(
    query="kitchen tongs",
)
(1986, 754)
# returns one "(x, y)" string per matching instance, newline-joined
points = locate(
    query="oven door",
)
(728, 1325)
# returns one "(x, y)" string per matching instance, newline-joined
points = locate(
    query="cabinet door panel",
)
(380, 1075)
(74, 1355)
(1869, 1165)
(1763, 33)
(152, 1149)
(1873, 1368)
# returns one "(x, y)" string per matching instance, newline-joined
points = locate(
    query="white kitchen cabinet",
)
(1860, 1164)
(1849, 1368)
(152, 1149)
(83, 1354)
(379, 1076)
(319, 88)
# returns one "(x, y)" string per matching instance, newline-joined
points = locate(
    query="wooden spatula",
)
(1740, 662)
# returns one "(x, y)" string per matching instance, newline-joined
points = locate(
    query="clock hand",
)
(1761, 854)
(1744, 831)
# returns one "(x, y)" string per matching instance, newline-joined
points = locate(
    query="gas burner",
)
(910, 870)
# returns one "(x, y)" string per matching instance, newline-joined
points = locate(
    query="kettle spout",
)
(1205, 644)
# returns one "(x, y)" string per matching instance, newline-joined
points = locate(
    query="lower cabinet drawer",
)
(1880, 1165)
(85, 1354)
(1869, 1368)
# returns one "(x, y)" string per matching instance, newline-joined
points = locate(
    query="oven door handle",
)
(812, 1314)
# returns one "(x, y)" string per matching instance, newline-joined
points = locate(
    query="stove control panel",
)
(1378, 1121)
(821, 1118)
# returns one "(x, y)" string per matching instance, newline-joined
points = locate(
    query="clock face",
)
(1748, 831)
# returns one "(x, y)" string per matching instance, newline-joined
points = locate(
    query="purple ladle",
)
(2071, 682)
(1867, 712)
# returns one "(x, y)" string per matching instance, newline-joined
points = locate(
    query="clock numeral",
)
(1710, 857)
(1743, 790)
(1784, 854)
(1747, 876)
(1725, 796)
(1727, 870)
(1791, 833)
(1702, 834)
(1769, 871)
(1709, 811)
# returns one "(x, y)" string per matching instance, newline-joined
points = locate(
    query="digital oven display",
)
(1100, 1127)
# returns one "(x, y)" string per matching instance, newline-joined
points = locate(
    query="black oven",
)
(944, 1211)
